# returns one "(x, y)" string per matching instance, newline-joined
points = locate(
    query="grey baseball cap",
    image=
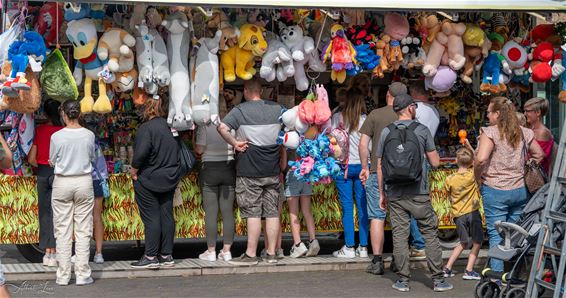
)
(402, 101)
(397, 88)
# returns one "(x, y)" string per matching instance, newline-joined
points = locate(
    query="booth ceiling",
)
(460, 5)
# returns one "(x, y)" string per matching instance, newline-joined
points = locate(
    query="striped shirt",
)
(258, 123)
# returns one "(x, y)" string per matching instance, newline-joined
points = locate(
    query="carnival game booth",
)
(114, 57)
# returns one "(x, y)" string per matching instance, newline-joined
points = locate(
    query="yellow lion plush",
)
(239, 60)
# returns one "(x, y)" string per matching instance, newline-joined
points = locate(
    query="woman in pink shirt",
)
(500, 163)
(535, 109)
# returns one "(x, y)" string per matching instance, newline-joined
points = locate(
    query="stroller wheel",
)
(515, 293)
(487, 289)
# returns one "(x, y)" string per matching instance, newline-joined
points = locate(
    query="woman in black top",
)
(155, 172)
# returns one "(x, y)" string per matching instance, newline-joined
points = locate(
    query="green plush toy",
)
(56, 78)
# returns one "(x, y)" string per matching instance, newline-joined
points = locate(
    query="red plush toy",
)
(540, 67)
(49, 21)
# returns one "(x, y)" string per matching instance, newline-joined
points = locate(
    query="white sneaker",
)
(279, 254)
(226, 256)
(50, 260)
(46, 258)
(314, 248)
(298, 251)
(84, 281)
(208, 256)
(98, 259)
(345, 252)
(362, 251)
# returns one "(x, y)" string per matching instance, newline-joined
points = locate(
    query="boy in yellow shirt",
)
(463, 192)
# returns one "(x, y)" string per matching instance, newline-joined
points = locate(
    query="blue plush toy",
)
(30, 51)
(314, 165)
(562, 94)
(367, 57)
(75, 11)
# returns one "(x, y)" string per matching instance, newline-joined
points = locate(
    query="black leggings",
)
(156, 211)
(44, 189)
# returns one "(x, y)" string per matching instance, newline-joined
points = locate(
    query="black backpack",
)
(402, 159)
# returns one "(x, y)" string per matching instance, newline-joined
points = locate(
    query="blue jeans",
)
(504, 205)
(346, 190)
(417, 240)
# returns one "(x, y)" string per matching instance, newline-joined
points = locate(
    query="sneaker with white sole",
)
(46, 258)
(314, 248)
(345, 252)
(98, 259)
(73, 259)
(208, 256)
(84, 281)
(244, 260)
(51, 261)
(298, 251)
(362, 251)
(471, 275)
(401, 286)
(263, 253)
(226, 256)
(279, 254)
(417, 254)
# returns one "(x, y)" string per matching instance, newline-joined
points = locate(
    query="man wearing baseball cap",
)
(406, 193)
(376, 121)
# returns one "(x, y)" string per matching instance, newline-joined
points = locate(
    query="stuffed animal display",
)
(341, 53)
(303, 53)
(314, 162)
(178, 43)
(277, 61)
(116, 45)
(49, 21)
(21, 53)
(82, 34)
(153, 63)
(205, 83)
(239, 60)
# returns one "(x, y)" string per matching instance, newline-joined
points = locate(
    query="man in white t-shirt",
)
(427, 114)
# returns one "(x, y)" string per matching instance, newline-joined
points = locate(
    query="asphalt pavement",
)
(290, 284)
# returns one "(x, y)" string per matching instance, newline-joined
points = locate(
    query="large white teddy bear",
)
(303, 52)
(153, 64)
(178, 45)
(277, 61)
(205, 80)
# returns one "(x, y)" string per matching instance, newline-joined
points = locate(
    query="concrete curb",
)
(196, 267)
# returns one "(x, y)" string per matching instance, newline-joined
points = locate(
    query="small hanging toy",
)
(341, 52)
(462, 134)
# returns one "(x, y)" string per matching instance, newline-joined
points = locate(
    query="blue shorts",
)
(296, 188)
(97, 186)
(372, 195)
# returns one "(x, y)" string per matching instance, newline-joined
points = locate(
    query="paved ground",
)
(298, 284)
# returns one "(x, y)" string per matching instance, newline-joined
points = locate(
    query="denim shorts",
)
(98, 191)
(372, 194)
(296, 188)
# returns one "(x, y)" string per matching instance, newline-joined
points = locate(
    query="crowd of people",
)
(391, 151)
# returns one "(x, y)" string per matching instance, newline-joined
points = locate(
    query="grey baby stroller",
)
(517, 250)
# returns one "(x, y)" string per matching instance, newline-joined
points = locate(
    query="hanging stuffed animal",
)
(82, 34)
(341, 53)
(97, 14)
(428, 26)
(476, 48)
(21, 53)
(455, 45)
(540, 68)
(493, 66)
(442, 81)
(413, 54)
(381, 46)
(277, 61)
(125, 81)
(178, 43)
(239, 60)
(396, 27)
(516, 56)
(76, 11)
(303, 52)
(152, 60)
(116, 45)
(366, 57)
(49, 21)
(365, 34)
(205, 80)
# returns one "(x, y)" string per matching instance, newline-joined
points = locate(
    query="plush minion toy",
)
(82, 34)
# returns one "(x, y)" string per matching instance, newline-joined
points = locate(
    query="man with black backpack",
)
(401, 153)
